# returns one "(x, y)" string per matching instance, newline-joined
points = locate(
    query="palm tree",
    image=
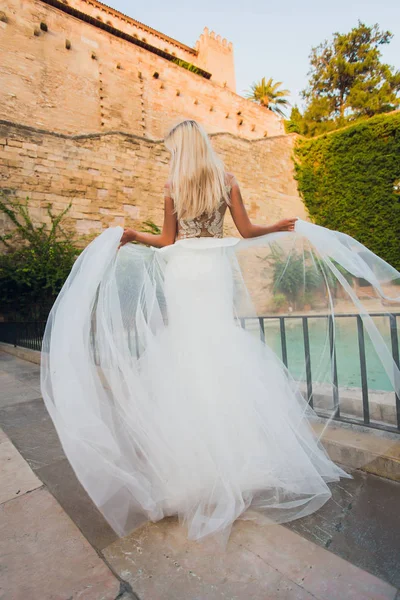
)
(267, 94)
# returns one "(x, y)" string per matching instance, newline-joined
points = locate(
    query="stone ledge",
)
(135, 136)
(24, 353)
(357, 447)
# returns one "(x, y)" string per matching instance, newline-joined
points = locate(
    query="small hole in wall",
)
(178, 92)
(36, 31)
(119, 66)
(94, 55)
(239, 112)
(227, 116)
(3, 17)
(156, 75)
(43, 26)
(253, 127)
(211, 108)
(265, 133)
(241, 122)
(162, 86)
(68, 44)
(196, 101)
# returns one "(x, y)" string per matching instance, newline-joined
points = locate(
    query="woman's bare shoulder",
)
(168, 189)
(230, 178)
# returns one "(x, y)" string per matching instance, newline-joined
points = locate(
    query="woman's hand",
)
(285, 224)
(129, 235)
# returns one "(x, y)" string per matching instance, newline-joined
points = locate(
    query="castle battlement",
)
(214, 36)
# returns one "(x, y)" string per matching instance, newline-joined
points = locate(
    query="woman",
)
(155, 370)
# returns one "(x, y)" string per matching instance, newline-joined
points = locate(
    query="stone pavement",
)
(55, 545)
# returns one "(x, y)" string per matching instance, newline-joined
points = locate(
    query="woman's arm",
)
(165, 238)
(242, 221)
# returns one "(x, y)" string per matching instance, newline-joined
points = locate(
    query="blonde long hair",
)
(197, 175)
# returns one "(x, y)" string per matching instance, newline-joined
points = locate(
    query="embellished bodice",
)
(206, 225)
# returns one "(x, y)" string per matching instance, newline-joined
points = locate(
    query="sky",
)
(270, 39)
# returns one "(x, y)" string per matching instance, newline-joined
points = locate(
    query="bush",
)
(302, 277)
(278, 301)
(349, 182)
(35, 263)
(186, 65)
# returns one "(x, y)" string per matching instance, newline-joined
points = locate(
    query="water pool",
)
(347, 352)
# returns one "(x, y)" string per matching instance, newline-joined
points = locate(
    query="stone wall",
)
(104, 83)
(118, 178)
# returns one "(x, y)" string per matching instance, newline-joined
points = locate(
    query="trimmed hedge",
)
(349, 181)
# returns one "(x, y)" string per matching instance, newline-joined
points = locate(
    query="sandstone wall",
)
(142, 31)
(118, 178)
(45, 85)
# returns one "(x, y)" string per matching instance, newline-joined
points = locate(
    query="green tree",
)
(348, 80)
(295, 124)
(268, 94)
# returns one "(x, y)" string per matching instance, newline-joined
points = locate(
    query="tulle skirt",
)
(165, 394)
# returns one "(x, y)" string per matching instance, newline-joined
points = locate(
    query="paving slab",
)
(32, 431)
(160, 564)
(19, 380)
(27, 354)
(61, 480)
(3, 436)
(320, 572)
(258, 563)
(15, 475)
(43, 555)
(360, 523)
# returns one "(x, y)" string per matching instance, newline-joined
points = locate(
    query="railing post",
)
(283, 340)
(307, 356)
(262, 330)
(395, 353)
(363, 369)
(332, 350)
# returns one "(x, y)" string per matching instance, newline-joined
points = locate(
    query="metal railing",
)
(30, 335)
(336, 413)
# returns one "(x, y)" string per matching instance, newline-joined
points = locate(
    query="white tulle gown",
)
(165, 395)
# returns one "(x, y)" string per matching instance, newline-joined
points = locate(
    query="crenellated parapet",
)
(215, 55)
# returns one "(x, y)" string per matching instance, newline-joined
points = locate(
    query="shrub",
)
(349, 182)
(187, 65)
(278, 301)
(35, 263)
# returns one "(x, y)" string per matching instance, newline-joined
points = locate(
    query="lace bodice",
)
(205, 225)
